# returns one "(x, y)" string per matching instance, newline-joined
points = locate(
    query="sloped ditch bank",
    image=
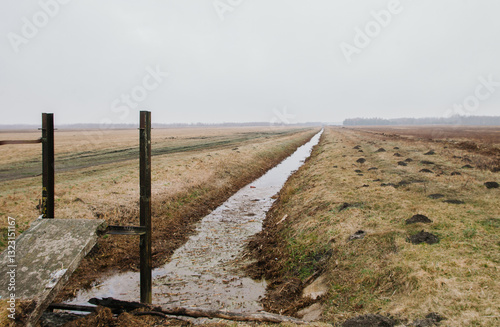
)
(207, 271)
(284, 293)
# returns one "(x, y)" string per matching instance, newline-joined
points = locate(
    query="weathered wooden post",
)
(48, 165)
(145, 206)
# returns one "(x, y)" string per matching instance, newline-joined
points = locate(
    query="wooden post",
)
(48, 165)
(145, 206)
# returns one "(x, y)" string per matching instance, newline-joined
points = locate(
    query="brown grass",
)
(482, 134)
(186, 186)
(383, 272)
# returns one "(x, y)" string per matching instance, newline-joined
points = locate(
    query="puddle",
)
(206, 271)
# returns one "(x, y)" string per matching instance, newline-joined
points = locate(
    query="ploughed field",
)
(399, 224)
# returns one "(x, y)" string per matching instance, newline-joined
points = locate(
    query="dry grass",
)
(186, 185)
(458, 277)
(482, 134)
(84, 192)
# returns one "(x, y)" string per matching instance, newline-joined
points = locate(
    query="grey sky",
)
(247, 60)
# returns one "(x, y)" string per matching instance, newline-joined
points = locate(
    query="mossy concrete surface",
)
(44, 257)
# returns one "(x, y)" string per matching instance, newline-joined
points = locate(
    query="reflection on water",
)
(205, 272)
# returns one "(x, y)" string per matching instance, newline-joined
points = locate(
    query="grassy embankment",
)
(327, 201)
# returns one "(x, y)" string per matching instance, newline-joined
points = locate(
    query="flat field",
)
(193, 171)
(343, 216)
(485, 135)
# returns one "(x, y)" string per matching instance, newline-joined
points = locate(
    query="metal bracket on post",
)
(145, 206)
(47, 165)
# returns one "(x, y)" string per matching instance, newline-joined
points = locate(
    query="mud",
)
(423, 237)
(360, 234)
(418, 219)
(454, 201)
(206, 272)
(432, 319)
(369, 320)
(491, 185)
(346, 205)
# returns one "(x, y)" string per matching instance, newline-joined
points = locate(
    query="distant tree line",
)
(454, 120)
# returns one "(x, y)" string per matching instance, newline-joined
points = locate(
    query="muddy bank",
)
(269, 251)
(174, 218)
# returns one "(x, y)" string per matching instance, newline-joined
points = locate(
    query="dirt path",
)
(84, 159)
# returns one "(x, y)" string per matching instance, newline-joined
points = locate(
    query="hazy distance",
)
(283, 61)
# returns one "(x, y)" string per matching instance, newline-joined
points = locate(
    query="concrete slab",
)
(311, 313)
(317, 288)
(45, 257)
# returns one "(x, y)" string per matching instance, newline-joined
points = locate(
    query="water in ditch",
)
(206, 271)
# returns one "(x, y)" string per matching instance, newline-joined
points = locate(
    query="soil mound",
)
(402, 163)
(404, 183)
(396, 148)
(425, 170)
(380, 150)
(436, 196)
(429, 153)
(397, 155)
(423, 237)
(454, 201)
(358, 171)
(408, 160)
(346, 205)
(490, 185)
(467, 167)
(369, 320)
(418, 219)
(373, 168)
(426, 162)
(456, 173)
(358, 235)
(357, 147)
(361, 160)
(432, 319)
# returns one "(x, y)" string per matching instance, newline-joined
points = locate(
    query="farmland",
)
(396, 221)
(194, 170)
(343, 217)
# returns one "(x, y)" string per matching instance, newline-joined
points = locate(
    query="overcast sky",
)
(92, 61)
